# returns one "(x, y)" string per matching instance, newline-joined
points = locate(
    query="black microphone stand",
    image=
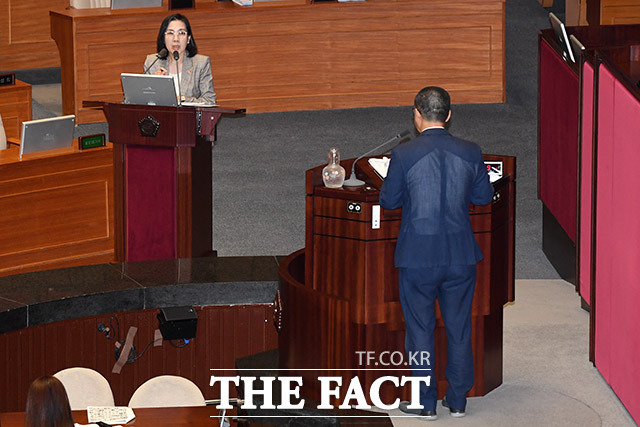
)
(176, 57)
(355, 182)
(160, 55)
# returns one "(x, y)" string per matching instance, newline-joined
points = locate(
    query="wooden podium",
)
(339, 296)
(162, 179)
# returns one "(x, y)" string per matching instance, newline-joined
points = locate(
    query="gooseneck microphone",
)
(176, 57)
(355, 182)
(160, 55)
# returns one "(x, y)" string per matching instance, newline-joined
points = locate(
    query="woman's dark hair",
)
(48, 404)
(192, 49)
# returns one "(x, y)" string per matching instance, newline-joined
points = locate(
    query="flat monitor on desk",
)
(494, 169)
(576, 46)
(149, 89)
(130, 4)
(3, 136)
(47, 134)
(561, 35)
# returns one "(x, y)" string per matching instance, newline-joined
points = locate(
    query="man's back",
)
(434, 178)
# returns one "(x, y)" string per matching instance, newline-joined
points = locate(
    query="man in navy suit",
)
(433, 178)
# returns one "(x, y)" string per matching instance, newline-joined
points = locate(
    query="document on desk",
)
(110, 414)
(197, 104)
(381, 166)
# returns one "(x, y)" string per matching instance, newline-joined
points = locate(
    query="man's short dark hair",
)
(433, 103)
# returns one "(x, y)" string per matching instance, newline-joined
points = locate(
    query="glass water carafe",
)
(333, 173)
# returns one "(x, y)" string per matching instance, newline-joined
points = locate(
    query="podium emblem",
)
(149, 126)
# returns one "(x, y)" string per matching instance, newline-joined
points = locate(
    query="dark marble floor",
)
(48, 296)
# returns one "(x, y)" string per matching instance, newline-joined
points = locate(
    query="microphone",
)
(355, 182)
(176, 57)
(160, 55)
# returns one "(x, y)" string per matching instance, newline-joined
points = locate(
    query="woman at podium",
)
(178, 56)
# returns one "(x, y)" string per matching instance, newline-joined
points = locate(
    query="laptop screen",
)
(145, 89)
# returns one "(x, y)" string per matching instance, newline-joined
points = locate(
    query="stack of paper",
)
(110, 414)
(196, 104)
(381, 166)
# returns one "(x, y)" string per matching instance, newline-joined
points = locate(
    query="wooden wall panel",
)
(292, 57)
(614, 12)
(73, 196)
(25, 40)
(224, 334)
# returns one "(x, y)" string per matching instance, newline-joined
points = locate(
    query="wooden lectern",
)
(339, 296)
(162, 179)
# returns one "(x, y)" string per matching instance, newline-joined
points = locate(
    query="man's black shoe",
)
(458, 413)
(423, 415)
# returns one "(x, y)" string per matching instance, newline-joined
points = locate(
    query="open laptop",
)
(47, 134)
(148, 89)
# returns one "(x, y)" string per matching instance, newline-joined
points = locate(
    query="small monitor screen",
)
(47, 134)
(130, 4)
(561, 35)
(576, 46)
(494, 169)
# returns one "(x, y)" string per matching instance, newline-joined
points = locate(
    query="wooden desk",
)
(45, 314)
(163, 180)
(57, 209)
(286, 56)
(157, 417)
(340, 294)
(202, 416)
(564, 137)
(15, 107)
(614, 338)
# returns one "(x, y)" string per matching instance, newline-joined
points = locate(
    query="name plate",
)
(92, 141)
(7, 79)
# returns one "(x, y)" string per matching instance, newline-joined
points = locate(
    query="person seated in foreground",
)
(48, 404)
(182, 61)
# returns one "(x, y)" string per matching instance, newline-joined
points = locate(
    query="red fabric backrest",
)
(559, 90)
(617, 279)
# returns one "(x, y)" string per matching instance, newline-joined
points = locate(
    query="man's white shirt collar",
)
(432, 127)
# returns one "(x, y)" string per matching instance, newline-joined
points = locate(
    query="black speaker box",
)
(178, 323)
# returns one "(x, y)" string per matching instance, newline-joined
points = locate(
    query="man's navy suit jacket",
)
(433, 178)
